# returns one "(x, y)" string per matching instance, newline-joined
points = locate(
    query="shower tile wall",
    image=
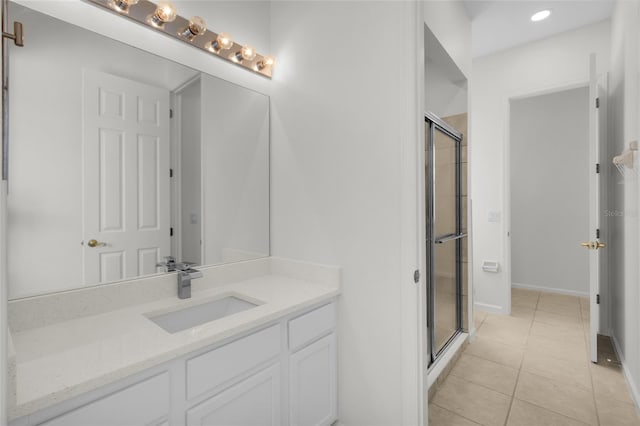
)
(459, 122)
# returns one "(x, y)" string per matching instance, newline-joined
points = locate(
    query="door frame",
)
(506, 192)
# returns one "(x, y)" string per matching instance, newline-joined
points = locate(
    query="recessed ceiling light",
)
(539, 16)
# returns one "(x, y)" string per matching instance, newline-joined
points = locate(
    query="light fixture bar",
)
(142, 11)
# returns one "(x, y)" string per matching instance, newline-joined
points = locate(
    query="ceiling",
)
(499, 25)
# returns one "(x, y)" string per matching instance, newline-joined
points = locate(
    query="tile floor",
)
(533, 369)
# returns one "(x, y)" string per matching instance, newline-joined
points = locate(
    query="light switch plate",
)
(494, 217)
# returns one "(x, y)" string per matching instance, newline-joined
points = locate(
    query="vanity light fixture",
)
(163, 17)
(222, 41)
(539, 16)
(196, 27)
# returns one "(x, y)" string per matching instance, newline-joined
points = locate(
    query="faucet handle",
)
(183, 266)
(169, 263)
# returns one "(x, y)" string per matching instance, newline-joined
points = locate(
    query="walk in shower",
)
(446, 233)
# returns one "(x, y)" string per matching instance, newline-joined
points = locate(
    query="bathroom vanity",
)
(97, 357)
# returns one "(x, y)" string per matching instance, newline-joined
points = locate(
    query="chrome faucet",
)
(185, 274)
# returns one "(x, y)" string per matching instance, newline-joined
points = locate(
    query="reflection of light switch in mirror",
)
(194, 218)
(494, 217)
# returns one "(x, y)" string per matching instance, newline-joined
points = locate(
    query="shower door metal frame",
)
(435, 123)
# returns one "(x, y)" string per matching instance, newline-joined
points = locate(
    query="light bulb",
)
(222, 41)
(123, 5)
(539, 16)
(267, 61)
(165, 12)
(247, 52)
(196, 27)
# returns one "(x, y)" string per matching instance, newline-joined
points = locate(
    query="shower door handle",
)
(449, 238)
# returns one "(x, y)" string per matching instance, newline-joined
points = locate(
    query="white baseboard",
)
(635, 395)
(493, 309)
(550, 290)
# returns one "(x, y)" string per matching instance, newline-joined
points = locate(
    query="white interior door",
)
(126, 199)
(594, 245)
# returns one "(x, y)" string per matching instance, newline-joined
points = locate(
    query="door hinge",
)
(598, 168)
(597, 233)
(171, 232)
(597, 102)
(416, 276)
(170, 113)
(170, 173)
(598, 299)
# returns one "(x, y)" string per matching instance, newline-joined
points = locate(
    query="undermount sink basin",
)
(192, 316)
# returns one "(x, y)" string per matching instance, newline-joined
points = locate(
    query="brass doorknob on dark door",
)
(96, 243)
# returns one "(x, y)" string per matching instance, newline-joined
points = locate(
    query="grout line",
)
(457, 414)
(515, 388)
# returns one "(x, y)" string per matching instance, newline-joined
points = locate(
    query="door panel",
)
(446, 293)
(126, 173)
(444, 234)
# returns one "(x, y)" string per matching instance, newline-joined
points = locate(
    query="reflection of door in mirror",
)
(126, 177)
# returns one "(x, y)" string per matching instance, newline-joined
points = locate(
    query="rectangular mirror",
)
(119, 158)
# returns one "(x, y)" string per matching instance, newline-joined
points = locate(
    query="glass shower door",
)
(444, 234)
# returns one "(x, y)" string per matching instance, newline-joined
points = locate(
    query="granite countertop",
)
(57, 362)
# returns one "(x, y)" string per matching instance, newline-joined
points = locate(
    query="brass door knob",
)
(593, 245)
(96, 243)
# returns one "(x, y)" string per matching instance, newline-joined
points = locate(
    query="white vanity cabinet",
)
(283, 374)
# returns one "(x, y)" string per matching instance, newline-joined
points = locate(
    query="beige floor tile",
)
(584, 303)
(524, 298)
(523, 292)
(568, 350)
(559, 298)
(525, 414)
(558, 397)
(509, 322)
(559, 320)
(569, 372)
(609, 382)
(566, 334)
(486, 373)
(439, 416)
(570, 303)
(473, 402)
(567, 309)
(522, 312)
(505, 335)
(496, 352)
(616, 413)
(478, 317)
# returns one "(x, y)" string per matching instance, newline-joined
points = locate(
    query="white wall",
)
(346, 125)
(45, 188)
(549, 137)
(190, 173)
(623, 250)
(545, 65)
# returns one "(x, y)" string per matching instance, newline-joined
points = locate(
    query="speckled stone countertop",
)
(62, 359)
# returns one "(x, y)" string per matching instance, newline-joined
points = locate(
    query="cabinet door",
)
(312, 384)
(145, 403)
(252, 402)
